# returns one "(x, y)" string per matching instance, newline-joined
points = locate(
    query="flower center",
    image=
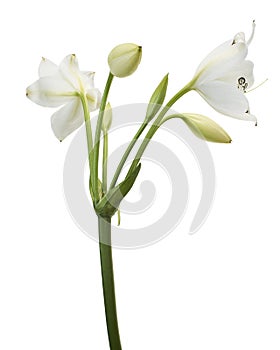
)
(242, 84)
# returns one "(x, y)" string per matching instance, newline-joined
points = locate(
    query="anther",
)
(242, 84)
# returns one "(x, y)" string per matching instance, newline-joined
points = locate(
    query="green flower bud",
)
(157, 99)
(206, 129)
(124, 59)
(107, 118)
(203, 127)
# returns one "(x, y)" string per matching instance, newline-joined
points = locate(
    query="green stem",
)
(126, 154)
(97, 136)
(89, 135)
(156, 125)
(104, 162)
(107, 271)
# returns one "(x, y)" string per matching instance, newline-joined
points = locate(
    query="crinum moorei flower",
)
(64, 85)
(224, 76)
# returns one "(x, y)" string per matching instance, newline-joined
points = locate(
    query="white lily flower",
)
(224, 76)
(63, 85)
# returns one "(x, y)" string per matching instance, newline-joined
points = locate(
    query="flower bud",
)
(124, 59)
(202, 127)
(157, 99)
(107, 118)
(205, 128)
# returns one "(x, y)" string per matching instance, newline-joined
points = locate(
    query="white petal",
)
(244, 70)
(50, 91)
(94, 99)
(239, 38)
(88, 78)
(221, 60)
(47, 68)
(86, 81)
(212, 56)
(226, 99)
(67, 119)
(69, 69)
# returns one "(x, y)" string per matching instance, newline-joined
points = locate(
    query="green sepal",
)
(110, 203)
(157, 99)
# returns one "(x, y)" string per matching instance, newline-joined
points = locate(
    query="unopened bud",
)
(124, 59)
(205, 128)
(107, 118)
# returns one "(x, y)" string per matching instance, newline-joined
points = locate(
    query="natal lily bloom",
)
(224, 75)
(63, 85)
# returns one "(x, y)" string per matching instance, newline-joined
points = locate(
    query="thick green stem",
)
(156, 125)
(126, 154)
(104, 162)
(97, 136)
(104, 226)
(89, 135)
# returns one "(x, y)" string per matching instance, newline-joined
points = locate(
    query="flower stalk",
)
(97, 136)
(104, 161)
(89, 135)
(126, 154)
(107, 271)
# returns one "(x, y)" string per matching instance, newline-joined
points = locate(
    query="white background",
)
(218, 289)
